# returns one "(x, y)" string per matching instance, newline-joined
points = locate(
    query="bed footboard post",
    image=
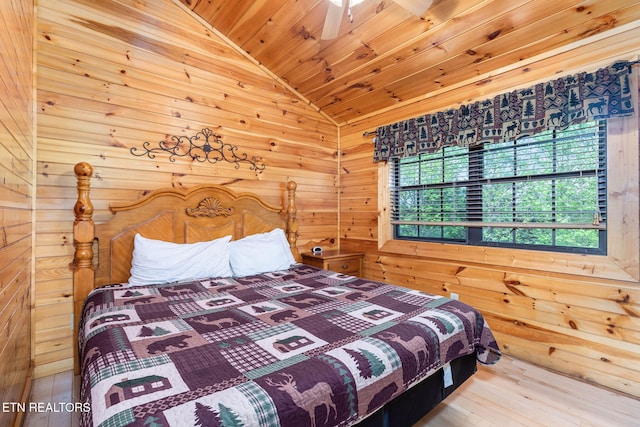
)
(82, 264)
(292, 222)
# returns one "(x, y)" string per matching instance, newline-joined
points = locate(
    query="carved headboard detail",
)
(209, 207)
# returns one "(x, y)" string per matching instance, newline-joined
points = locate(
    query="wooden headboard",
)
(103, 252)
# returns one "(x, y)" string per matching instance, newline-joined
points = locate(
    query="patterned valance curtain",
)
(552, 105)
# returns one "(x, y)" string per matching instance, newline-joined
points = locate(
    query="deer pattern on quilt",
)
(318, 395)
(415, 346)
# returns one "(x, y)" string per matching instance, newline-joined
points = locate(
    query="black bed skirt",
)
(408, 408)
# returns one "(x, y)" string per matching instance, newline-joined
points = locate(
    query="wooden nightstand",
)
(340, 262)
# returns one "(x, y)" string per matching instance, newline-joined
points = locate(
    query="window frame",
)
(472, 226)
(623, 252)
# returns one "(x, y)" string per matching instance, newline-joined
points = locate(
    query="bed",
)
(255, 338)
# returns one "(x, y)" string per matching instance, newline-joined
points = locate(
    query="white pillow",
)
(260, 253)
(157, 261)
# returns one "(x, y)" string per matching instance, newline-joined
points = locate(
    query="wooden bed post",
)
(82, 264)
(292, 222)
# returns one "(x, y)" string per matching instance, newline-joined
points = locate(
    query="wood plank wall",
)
(16, 199)
(115, 74)
(577, 315)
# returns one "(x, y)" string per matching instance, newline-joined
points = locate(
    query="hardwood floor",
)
(515, 393)
(60, 388)
(509, 394)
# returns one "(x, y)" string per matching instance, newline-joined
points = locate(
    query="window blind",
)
(555, 179)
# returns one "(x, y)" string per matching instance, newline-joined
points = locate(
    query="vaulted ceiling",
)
(387, 55)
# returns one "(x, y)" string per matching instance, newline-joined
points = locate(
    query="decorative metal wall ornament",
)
(210, 208)
(212, 149)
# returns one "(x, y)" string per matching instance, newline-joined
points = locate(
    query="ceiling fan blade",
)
(332, 21)
(417, 7)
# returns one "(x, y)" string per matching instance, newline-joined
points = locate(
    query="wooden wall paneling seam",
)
(122, 117)
(127, 125)
(16, 201)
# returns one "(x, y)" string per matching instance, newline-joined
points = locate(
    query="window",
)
(546, 192)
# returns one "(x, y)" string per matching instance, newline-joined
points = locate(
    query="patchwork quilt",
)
(297, 347)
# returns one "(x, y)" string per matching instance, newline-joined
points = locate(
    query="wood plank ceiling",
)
(387, 55)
